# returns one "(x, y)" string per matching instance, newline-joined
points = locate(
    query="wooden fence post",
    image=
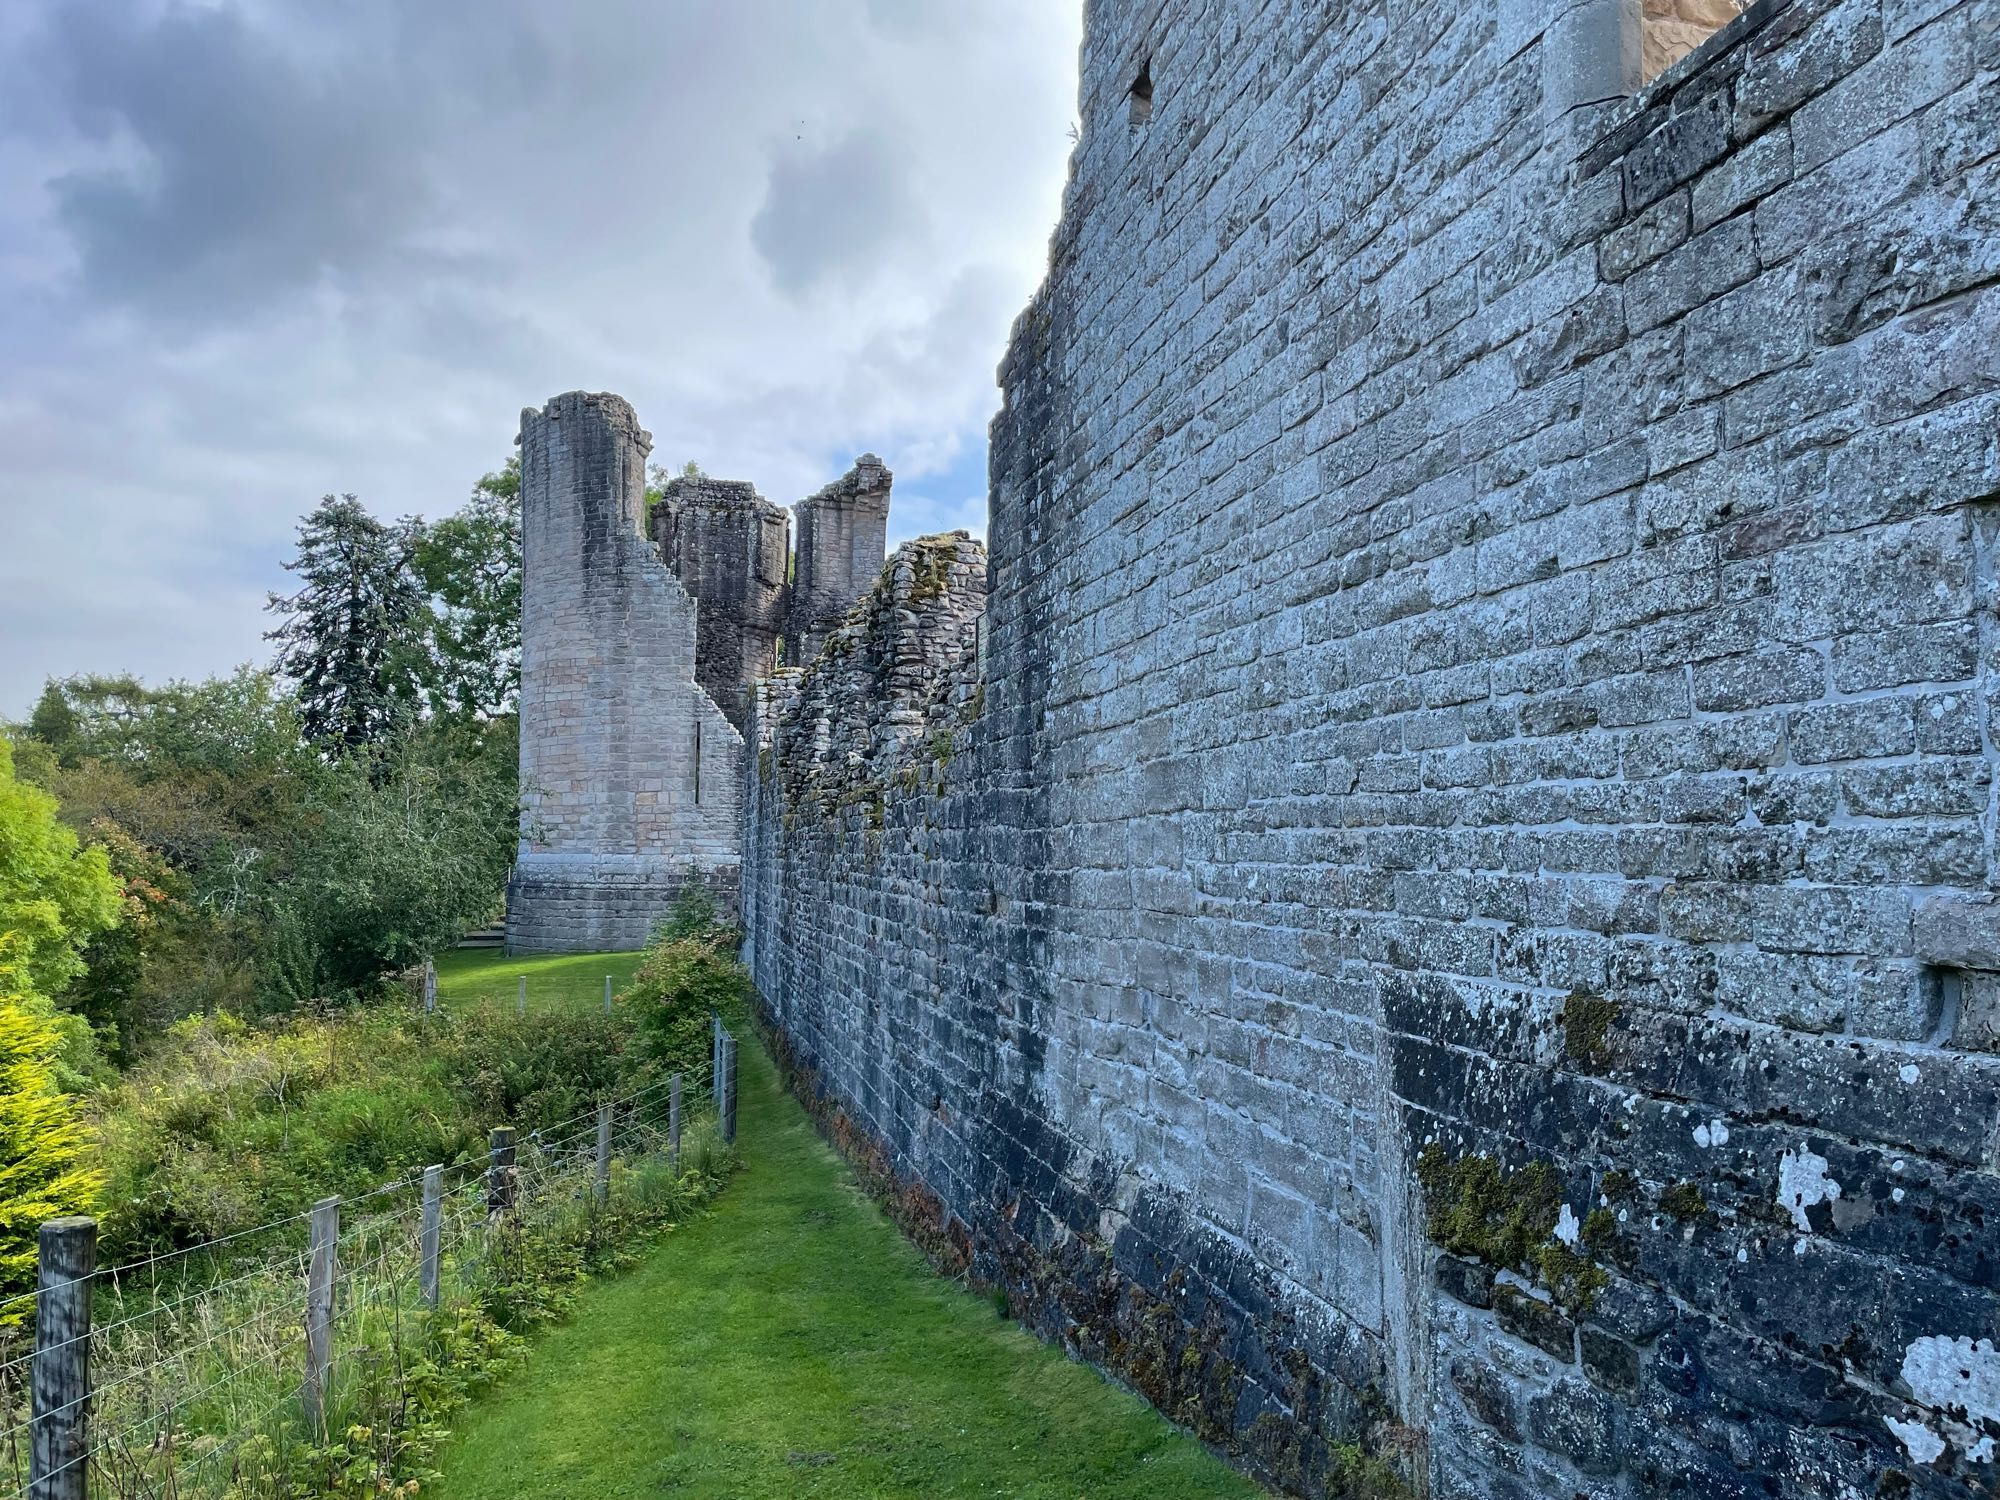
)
(674, 1121)
(430, 988)
(728, 1088)
(603, 1154)
(319, 1311)
(428, 1234)
(715, 1060)
(521, 997)
(500, 1172)
(59, 1462)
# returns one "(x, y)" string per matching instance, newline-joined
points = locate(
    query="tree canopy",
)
(55, 894)
(349, 634)
(469, 564)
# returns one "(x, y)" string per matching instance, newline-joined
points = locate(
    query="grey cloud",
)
(246, 174)
(836, 213)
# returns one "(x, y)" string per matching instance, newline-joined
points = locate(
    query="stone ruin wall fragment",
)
(631, 776)
(1484, 702)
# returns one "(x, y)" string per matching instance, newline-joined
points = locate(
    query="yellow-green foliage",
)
(47, 1165)
(54, 894)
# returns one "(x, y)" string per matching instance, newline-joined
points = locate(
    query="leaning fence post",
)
(59, 1467)
(521, 997)
(500, 1172)
(728, 1088)
(603, 1154)
(428, 1233)
(430, 988)
(319, 1310)
(674, 1121)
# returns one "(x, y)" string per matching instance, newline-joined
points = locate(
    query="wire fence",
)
(325, 1369)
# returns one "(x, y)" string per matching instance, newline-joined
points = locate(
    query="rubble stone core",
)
(1431, 903)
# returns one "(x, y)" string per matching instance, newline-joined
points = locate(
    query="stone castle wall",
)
(731, 549)
(630, 775)
(1443, 909)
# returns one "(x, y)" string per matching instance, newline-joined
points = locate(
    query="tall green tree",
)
(404, 849)
(233, 726)
(351, 635)
(469, 564)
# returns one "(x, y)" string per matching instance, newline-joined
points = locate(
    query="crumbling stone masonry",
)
(630, 775)
(842, 533)
(1438, 917)
(731, 549)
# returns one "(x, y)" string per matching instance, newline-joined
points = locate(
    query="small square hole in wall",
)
(1964, 1007)
(1141, 95)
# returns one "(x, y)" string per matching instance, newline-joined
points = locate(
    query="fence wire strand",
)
(555, 1169)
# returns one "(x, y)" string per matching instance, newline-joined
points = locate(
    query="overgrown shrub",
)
(690, 970)
(232, 1125)
(197, 1393)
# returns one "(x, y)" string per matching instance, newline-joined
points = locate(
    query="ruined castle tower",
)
(730, 548)
(630, 773)
(843, 537)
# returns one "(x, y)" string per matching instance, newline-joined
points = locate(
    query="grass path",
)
(556, 981)
(793, 1344)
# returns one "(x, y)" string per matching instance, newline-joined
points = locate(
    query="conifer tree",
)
(351, 637)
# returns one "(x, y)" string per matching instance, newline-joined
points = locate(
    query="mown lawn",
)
(792, 1343)
(486, 976)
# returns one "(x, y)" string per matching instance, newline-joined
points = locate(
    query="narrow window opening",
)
(1142, 94)
(697, 763)
(1944, 996)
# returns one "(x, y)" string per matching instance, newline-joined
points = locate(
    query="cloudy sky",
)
(252, 252)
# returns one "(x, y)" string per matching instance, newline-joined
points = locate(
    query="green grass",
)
(791, 1343)
(486, 976)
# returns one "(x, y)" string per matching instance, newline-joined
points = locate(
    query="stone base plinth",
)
(599, 903)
